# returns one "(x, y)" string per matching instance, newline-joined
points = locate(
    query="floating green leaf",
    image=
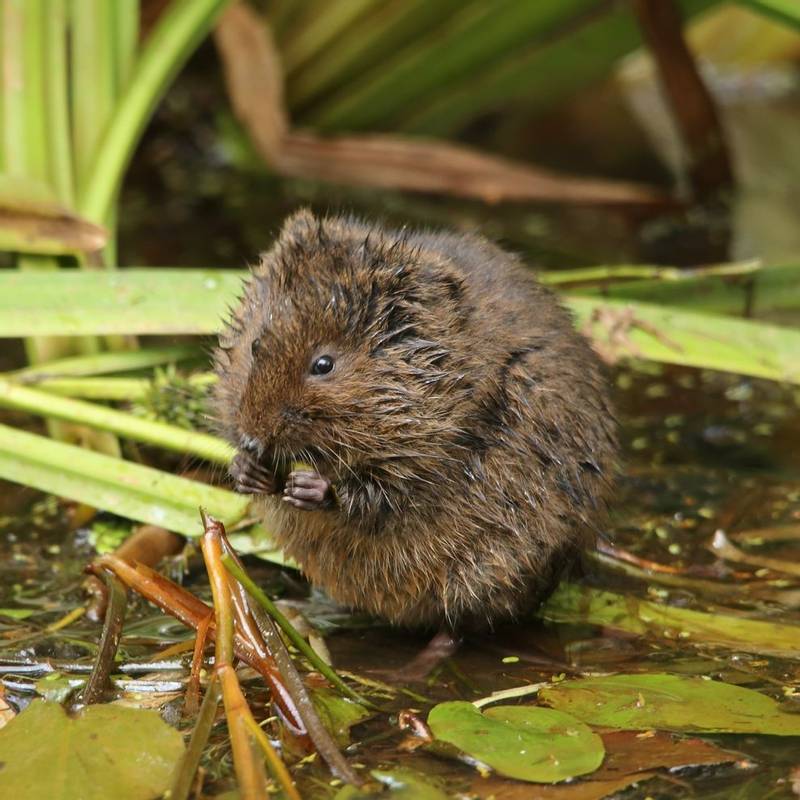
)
(670, 702)
(106, 751)
(404, 784)
(56, 687)
(523, 742)
(338, 713)
(107, 536)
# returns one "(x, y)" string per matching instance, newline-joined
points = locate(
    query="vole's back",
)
(473, 446)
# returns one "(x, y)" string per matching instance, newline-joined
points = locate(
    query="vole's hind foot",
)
(251, 477)
(441, 647)
(308, 491)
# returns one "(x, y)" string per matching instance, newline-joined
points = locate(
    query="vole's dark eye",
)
(322, 365)
(255, 345)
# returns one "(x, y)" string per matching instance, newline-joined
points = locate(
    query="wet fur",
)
(466, 428)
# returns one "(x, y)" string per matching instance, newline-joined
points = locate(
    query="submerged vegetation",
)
(688, 622)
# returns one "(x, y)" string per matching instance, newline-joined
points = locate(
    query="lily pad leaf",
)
(672, 703)
(402, 784)
(106, 751)
(534, 744)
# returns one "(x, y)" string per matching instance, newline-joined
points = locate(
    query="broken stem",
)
(191, 611)
(291, 632)
(184, 776)
(109, 640)
(192, 696)
(268, 633)
(240, 719)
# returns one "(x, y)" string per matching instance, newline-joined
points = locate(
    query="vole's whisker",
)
(342, 463)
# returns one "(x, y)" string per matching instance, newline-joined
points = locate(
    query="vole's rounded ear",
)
(299, 226)
(301, 238)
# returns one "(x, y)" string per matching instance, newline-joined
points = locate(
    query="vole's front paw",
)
(251, 477)
(308, 491)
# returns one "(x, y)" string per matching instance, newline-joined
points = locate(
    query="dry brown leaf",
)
(421, 165)
(255, 85)
(628, 752)
(631, 757)
(502, 789)
(254, 78)
(49, 235)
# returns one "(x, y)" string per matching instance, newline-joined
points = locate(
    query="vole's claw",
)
(308, 491)
(301, 504)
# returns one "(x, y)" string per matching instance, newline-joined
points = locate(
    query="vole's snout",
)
(251, 445)
(291, 428)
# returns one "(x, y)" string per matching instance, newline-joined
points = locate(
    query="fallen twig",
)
(724, 548)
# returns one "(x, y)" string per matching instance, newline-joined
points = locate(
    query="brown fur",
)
(467, 428)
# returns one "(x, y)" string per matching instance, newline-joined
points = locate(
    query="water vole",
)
(459, 428)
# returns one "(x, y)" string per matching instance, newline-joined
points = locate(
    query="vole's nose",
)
(250, 444)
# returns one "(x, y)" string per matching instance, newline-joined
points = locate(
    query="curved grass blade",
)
(170, 437)
(181, 28)
(106, 363)
(131, 490)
